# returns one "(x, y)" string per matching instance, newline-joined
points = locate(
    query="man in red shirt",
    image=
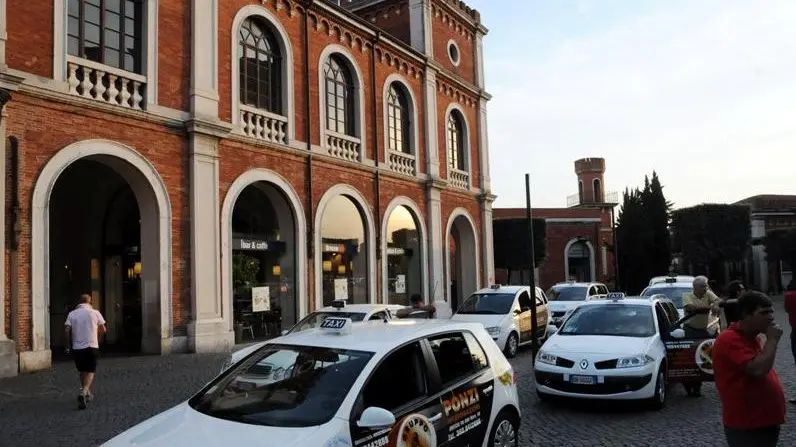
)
(790, 307)
(752, 399)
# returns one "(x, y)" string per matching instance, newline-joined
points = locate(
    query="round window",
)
(453, 52)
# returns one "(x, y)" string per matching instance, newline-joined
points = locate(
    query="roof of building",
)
(547, 213)
(376, 336)
(772, 202)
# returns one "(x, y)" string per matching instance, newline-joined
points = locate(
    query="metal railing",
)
(609, 198)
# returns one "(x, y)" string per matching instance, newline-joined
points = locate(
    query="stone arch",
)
(592, 258)
(155, 208)
(285, 47)
(370, 235)
(465, 224)
(359, 101)
(251, 177)
(419, 221)
(413, 113)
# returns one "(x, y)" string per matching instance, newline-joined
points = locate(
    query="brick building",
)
(578, 237)
(201, 167)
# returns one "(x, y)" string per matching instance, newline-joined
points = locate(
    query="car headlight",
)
(634, 361)
(493, 330)
(547, 358)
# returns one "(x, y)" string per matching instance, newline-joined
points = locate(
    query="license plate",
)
(583, 380)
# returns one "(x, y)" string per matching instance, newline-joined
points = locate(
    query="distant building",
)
(579, 237)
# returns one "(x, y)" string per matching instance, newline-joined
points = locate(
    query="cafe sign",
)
(249, 244)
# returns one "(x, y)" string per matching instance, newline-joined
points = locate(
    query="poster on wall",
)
(261, 299)
(690, 359)
(400, 284)
(341, 288)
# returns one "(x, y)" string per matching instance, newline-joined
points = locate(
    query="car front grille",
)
(611, 385)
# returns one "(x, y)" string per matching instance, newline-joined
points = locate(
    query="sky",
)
(703, 92)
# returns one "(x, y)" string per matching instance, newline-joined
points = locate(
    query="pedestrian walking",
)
(700, 302)
(83, 326)
(790, 307)
(751, 395)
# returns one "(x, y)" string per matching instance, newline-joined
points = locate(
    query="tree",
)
(709, 235)
(781, 246)
(510, 240)
(642, 235)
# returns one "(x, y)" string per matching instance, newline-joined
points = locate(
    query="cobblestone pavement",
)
(39, 410)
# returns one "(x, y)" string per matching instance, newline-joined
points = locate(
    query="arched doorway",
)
(579, 257)
(462, 258)
(404, 256)
(100, 225)
(264, 269)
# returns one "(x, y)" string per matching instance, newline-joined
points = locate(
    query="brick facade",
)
(47, 117)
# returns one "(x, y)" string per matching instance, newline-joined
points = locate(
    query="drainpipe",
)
(310, 209)
(376, 153)
(13, 235)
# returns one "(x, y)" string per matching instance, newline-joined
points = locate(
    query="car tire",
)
(658, 400)
(505, 430)
(512, 345)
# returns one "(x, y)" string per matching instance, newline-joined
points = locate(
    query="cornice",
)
(10, 82)
(208, 127)
(434, 182)
(487, 197)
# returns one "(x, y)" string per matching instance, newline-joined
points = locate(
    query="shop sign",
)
(395, 251)
(249, 244)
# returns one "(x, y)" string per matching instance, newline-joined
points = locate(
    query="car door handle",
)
(435, 418)
(488, 389)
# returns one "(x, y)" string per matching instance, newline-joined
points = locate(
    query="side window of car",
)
(378, 316)
(398, 381)
(663, 319)
(602, 289)
(671, 310)
(453, 356)
(525, 300)
(539, 300)
(541, 294)
(476, 351)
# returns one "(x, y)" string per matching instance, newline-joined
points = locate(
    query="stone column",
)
(487, 241)
(9, 360)
(430, 113)
(204, 58)
(483, 146)
(420, 26)
(3, 34)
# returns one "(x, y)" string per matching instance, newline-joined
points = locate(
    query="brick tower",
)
(590, 172)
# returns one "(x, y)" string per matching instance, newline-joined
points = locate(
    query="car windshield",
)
(315, 319)
(567, 293)
(487, 304)
(619, 320)
(673, 293)
(284, 386)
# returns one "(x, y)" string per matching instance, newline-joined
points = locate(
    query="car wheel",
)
(512, 344)
(658, 400)
(505, 431)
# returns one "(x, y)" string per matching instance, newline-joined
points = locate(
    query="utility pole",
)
(534, 326)
(615, 253)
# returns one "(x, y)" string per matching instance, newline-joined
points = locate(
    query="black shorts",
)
(86, 359)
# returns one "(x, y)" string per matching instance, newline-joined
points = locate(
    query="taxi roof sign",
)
(671, 279)
(337, 325)
(338, 304)
(615, 296)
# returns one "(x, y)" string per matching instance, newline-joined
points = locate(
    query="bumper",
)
(616, 384)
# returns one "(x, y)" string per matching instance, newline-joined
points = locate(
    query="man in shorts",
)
(83, 326)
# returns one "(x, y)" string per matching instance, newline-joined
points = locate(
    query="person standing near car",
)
(790, 308)
(751, 395)
(730, 302)
(699, 303)
(82, 328)
(416, 304)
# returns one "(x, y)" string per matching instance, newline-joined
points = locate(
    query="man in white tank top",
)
(83, 326)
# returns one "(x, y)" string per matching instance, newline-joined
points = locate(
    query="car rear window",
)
(567, 293)
(673, 293)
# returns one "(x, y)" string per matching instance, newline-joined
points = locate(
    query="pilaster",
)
(430, 107)
(487, 239)
(207, 331)
(420, 26)
(204, 58)
(436, 241)
(483, 146)
(479, 60)
(9, 359)
(3, 33)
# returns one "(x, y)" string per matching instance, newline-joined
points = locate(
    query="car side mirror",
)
(376, 418)
(678, 333)
(525, 308)
(551, 329)
(517, 311)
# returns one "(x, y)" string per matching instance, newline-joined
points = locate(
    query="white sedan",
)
(607, 349)
(379, 383)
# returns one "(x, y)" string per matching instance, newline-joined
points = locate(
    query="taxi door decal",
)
(690, 359)
(466, 411)
(417, 427)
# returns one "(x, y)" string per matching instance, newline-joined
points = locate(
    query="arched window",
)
(260, 66)
(598, 194)
(456, 155)
(107, 32)
(580, 192)
(339, 96)
(397, 119)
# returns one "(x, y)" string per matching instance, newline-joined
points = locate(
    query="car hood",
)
(486, 320)
(563, 306)
(182, 426)
(596, 344)
(243, 352)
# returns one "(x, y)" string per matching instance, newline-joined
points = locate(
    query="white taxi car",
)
(378, 383)
(673, 288)
(505, 312)
(608, 349)
(566, 296)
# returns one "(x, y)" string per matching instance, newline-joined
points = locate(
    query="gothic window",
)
(260, 66)
(339, 96)
(107, 31)
(456, 145)
(397, 119)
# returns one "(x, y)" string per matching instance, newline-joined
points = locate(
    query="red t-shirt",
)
(790, 306)
(746, 402)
